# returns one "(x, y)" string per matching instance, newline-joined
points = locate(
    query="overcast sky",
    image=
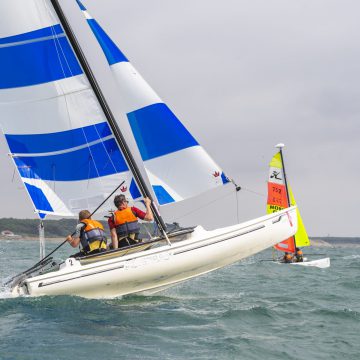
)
(243, 76)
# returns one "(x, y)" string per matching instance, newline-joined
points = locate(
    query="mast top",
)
(280, 145)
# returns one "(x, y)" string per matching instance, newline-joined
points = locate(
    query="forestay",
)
(177, 166)
(65, 152)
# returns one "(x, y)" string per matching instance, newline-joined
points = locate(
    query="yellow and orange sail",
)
(278, 200)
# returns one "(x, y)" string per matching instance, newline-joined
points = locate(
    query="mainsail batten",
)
(158, 133)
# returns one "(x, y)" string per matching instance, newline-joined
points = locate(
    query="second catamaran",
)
(280, 196)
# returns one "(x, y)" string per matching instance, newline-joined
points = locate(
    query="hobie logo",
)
(216, 174)
(275, 174)
(123, 189)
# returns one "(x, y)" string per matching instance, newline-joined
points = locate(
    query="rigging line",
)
(253, 192)
(203, 206)
(57, 42)
(13, 176)
(33, 268)
(109, 156)
(91, 154)
(237, 206)
(58, 54)
(88, 179)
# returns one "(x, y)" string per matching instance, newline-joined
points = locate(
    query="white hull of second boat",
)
(161, 267)
(319, 263)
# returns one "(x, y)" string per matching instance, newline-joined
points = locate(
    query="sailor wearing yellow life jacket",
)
(299, 256)
(89, 233)
(124, 225)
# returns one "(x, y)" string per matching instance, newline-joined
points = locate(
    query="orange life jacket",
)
(299, 256)
(125, 222)
(288, 258)
(92, 236)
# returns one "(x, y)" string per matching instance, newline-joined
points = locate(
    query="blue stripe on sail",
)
(82, 7)
(224, 178)
(39, 143)
(75, 165)
(37, 62)
(158, 131)
(162, 195)
(134, 191)
(33, 35)
(112, 52)
(38, 198)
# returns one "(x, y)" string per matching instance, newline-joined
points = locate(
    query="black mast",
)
(107, 111)
(286, 185)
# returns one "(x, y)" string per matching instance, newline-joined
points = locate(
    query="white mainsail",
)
(56, 131)
(176, 164)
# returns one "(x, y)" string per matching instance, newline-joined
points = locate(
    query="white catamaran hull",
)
(160, 267)
(320, 263)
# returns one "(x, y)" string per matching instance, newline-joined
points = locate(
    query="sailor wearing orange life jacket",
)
(89, 233)
(124, 225)
(299, 256)
(287, 258)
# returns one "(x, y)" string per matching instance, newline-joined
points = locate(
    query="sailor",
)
(299, 257)
(287, 258)
(89, 233)
(124, 225)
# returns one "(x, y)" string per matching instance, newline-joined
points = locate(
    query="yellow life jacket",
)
(125, 222)
(92, 236)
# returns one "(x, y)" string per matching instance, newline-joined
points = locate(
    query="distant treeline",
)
(30, 227)
(53, 228)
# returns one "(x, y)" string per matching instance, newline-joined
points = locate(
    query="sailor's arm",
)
(114, 238)
(73, 241)
(149, 215)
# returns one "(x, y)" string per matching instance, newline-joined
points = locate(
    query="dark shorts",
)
(83, 253)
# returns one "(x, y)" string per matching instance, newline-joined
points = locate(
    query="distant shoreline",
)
(31, 238)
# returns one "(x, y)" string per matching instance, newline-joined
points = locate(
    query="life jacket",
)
(126, 222)
(288, 258)
(92, 236)
(299, 256)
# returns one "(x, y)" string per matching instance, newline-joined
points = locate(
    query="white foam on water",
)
(349, 257)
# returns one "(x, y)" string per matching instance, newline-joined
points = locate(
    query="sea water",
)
(255, 309)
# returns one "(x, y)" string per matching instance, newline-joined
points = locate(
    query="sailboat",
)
(72, 153)
(280, 196)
